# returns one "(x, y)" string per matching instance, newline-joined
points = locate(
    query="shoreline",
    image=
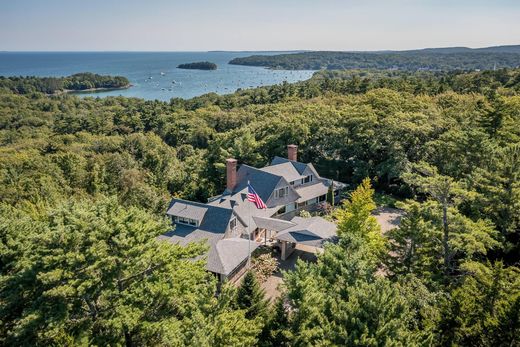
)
(91, 90)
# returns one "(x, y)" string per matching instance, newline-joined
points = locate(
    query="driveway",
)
(389, 218)
(272, 284)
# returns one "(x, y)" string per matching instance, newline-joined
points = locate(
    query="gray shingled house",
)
(286, 186)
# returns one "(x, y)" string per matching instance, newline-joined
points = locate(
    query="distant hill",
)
(430, 59)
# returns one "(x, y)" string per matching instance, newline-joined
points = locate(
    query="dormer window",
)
(282, 192)
(307, 179)
(186, 221)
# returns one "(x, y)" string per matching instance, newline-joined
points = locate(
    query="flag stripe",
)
(254, 197)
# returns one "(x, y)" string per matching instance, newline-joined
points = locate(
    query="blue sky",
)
(171, 25)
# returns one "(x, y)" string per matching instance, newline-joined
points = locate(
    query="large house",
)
(286, 186)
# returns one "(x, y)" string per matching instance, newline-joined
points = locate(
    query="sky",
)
(201, 25)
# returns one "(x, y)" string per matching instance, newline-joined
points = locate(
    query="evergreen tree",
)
(277, 330)
(487, 305)
(93, 271)
(251, 297)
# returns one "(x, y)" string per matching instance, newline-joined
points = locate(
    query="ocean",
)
(154, 75)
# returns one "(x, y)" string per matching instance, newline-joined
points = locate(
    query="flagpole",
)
(249, 227)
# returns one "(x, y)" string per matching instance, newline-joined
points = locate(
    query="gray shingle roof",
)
(308, 192)
(272, 223)
(225, 254)
(285, 170)
(263, 182)
(187, 210)
(300, 167)
(213, 218)
(229, 254)
(314, 231)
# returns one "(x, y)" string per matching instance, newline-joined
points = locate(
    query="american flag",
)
(254, 197)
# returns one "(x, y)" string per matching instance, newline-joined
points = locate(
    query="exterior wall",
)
(236, 274)
(292, 196)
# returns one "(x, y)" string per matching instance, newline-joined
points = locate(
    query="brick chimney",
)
(292, 152)
(231, 173)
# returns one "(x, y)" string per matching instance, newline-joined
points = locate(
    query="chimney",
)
(292, 152)
(231, 173)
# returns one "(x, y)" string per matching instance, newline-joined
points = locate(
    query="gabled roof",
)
(285, 170)
(300, 167)
(212, 218)
(223, 256)
(229, 253)
(314, 231)
(264, 182)
(307, 192)
(187, 210)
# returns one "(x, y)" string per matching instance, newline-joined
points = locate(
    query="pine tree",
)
(276, 332)
(251, 297)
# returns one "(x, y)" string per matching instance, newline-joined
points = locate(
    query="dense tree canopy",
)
(84, 183)
(53, 85)
(426, 59)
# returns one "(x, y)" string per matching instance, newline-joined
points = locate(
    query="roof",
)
(187, 210)
(308, 192)
(314, 231)
(229, 253)
(272, 223)
(300, 167)
(243, 208)
(223, 256)
(264, 182)
(285, 170)
(211, 218)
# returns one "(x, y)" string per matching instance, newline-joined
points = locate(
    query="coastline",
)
(92, 90)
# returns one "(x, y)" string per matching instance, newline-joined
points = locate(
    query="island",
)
(200, 65)
(80, 82)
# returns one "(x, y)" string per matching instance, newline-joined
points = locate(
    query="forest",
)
(441, 59)
(84, 184)
(53, 85)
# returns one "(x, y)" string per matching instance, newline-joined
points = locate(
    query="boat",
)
(162, 73)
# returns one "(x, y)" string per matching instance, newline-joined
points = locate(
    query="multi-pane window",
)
(280, 193)
(184, 220)
(307, 179)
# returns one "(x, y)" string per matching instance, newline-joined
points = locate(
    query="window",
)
(290, 207)
(312, 201)
(322, 198)
(307, 179)
(184, 220)
(292, 183)
(301, 204)
(282, 210)
(280, 193)
(233, 224)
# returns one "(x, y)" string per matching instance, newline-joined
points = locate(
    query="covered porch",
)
(307, 234)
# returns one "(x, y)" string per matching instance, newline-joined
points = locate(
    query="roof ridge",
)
(200, 204)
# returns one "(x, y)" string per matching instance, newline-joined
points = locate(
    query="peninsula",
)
(430, 59)
(80, 82)
(201, 65)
